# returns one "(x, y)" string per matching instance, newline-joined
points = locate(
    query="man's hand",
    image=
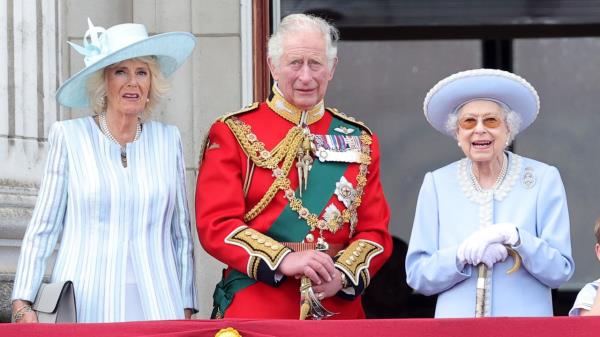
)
(317, 266)
(329, 289)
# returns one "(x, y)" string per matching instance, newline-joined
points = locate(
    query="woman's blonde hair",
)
(159, 86)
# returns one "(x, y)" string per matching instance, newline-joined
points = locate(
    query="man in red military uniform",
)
(289, 195)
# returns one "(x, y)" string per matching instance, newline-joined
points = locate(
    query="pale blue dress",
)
(118, 226)
(451, 207)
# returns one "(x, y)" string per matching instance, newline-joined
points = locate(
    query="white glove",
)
(471, 251)
(506, 232)
(496, 252)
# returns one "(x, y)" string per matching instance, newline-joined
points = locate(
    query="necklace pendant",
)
(124, 156)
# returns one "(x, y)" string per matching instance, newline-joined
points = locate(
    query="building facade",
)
(35, 59)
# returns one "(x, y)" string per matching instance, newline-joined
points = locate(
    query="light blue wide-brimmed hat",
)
(103, 47)
(503, 87)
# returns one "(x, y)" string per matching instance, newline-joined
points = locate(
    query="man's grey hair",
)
(296, 23)
(512, 119)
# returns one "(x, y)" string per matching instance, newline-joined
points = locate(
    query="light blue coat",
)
(532, 197)
(105, 212)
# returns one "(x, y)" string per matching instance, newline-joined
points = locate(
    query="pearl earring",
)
(458, 144)
(102, 101)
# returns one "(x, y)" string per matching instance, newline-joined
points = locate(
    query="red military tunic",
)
(230, 185)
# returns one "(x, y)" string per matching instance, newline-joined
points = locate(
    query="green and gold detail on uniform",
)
(258, 245)
(280, 160)
(349, 119)
(249, 107)
(354, 261)
(292, 113)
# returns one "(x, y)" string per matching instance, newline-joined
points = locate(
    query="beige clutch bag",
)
(55, 303)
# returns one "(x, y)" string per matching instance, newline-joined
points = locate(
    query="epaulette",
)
(349, 119)
(247, 108)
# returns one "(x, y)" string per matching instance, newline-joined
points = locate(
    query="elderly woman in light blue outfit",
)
(114, 188)
(470, 211)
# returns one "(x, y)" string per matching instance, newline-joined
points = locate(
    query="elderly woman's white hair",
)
(159, 86)
(295, 23)
(511, 118)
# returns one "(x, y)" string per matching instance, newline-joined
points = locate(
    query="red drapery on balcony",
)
(483, 327)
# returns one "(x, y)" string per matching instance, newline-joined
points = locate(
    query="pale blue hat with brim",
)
(500, 86)
(103, 47)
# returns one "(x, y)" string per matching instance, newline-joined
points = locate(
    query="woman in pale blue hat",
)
(491, 231)
(114, 188)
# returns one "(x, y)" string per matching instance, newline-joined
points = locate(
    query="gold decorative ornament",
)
(285, 152)
(228, 332)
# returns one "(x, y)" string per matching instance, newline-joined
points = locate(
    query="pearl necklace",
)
(498, 181)
(104, 127)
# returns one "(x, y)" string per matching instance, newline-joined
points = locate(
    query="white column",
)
(5, 48)
(28, 77)
(50, 64)
(26, 68)
(28, 81)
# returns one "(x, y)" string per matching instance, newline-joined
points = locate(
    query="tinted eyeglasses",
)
(470, 122)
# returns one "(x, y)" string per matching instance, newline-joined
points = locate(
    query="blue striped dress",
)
(108, 215)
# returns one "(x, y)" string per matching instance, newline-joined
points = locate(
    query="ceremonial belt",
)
(332, 251)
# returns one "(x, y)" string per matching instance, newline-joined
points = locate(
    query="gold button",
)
(275, 247)
(254, 236)
(309, 237)
(348, 262)
(355, 253)
(248, 232)
(362, 244)
(268, 243)
(261, 240)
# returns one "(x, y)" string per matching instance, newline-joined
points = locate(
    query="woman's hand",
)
(22, 309)
(317, 266)
(473, 249)
(493, 254)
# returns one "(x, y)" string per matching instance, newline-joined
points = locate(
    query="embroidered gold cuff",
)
(258, 245)
(355, 260)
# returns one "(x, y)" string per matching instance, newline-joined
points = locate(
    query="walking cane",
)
(482, 273)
